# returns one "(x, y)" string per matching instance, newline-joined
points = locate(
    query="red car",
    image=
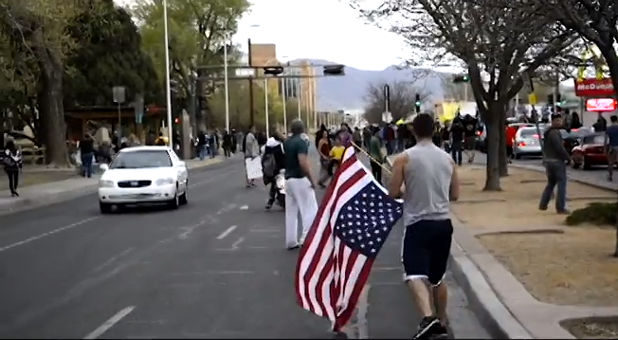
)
(590, 152)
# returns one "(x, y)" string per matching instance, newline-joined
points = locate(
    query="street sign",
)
(593, 87)
(601, 105)
(532, 100)
(119, 94)
(387, 117)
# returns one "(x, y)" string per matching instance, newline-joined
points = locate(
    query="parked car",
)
(574, 137)
(527, 142)
(590, 152)
(144, 174)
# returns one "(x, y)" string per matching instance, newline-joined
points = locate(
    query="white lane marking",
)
(244, 207)
(111, 260)
(227, 208)
(55, 231)
(109, 323)
(234, 246)
(237, 243)
(226, 232)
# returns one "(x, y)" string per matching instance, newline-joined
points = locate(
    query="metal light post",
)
(298, 96)
(227, 92)
(266, 105)
(285, 118)
(167, 78)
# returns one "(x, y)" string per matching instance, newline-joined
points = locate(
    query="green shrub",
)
(595, 213)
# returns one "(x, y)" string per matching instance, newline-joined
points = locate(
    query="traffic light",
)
(273, 70)
(418, 103)
(177, 120)
(550, 99)
(461, 79)
(334, 70)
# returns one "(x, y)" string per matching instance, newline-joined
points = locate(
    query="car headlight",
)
(164, 181)
(106, 184)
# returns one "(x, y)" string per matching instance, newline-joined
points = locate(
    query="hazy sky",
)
(318, 29)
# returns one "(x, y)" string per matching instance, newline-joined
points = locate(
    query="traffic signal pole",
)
(251, 111)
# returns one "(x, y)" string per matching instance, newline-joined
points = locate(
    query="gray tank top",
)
(428, 179)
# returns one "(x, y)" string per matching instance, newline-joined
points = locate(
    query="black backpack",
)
(269, 165)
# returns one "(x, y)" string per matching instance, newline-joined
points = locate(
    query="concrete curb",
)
(490, 310)
(24, 204)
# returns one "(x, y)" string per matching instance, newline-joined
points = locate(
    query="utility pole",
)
(227, 91)
(168, 94)
(285, 118)
(266, 105)
(251, 111)
(298, 96)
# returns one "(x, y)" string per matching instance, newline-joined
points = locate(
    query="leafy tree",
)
(39, 28)
(197, 31)
(108, 53)
(496, 39)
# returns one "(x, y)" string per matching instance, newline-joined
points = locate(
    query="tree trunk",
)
(492, 181)
(611, 58)
(51, 108)
(200, 112)
(504, 170)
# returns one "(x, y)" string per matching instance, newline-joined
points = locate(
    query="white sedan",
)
(144, 174)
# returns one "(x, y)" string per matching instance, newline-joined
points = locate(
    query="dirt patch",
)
(517, 205)
(573, 268)
(593, 328)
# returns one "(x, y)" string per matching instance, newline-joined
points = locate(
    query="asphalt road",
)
(216, 268)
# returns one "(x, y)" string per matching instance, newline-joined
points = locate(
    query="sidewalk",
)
(38, 195)
(526, 274)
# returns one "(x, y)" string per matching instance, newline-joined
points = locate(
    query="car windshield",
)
(141, 159)
(594, 139)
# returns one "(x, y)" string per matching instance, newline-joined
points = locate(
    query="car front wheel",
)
(105, 208)
(184, 198)
(174, 203)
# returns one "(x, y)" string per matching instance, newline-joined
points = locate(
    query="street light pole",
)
(285, 114)
(298, 96)
(266, 105)
(227, 92)
(167, 78)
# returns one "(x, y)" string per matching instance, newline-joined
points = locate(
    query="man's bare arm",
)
(394, 188)
(303, 161)
(454, 190)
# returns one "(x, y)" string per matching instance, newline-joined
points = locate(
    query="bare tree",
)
(595, 21)
(402, 100)
(498, 42)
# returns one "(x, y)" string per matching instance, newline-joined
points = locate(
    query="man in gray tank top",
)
(431, 183)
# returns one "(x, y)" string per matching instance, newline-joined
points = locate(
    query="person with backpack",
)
(12, 165)
(273, 161)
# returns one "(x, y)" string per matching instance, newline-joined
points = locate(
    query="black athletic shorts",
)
(425, 250)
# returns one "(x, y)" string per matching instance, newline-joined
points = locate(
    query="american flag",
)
(352, 224)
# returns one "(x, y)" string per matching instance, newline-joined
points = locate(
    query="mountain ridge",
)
(349, 92)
